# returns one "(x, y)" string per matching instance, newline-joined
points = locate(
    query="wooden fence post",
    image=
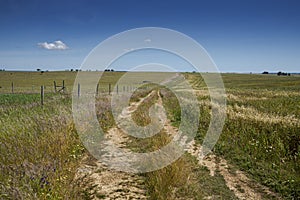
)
(97, 89)
(78, 90)
(63, 86)
(54, 84)
(117, 89)
(109, 88)
(12, 87)
(42, 95)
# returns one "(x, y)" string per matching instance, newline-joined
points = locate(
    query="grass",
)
(30, 82)
(261, 82)
(40, 150)
(283, 105)
(18, 99)
(184, 178)
(266, 148)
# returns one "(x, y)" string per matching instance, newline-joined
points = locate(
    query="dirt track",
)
(110, 184)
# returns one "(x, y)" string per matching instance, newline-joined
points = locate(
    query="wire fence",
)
(63, 88)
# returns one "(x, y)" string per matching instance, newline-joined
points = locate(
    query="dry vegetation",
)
(261, 134)
(39, 150)
(41, 153)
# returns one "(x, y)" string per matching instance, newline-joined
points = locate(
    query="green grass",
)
(283, 105)
(184, 178)
(261, 82)
(30, 82)
(18, 99)
(269, 151)
(40, 149)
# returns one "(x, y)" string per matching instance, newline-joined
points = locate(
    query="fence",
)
(63, 89)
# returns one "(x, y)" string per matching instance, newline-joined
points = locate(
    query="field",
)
(256, 157)
(261, 134)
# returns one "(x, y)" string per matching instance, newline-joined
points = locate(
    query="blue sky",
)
(240, 36)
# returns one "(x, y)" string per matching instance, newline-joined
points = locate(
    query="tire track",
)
(106, 183)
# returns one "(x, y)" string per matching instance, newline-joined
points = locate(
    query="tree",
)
(279, 73)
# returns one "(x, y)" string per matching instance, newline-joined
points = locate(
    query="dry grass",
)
(261, 133)
(39, 153)
(184, 178)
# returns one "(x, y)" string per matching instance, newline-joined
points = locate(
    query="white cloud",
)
(56, 45)
(147, 40)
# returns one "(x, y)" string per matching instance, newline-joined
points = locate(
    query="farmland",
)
(261, 133)
(41, 151)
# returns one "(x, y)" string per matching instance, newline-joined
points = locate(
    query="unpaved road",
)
(110, 184)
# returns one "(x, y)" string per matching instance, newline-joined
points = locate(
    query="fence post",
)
(117, 89)
(12, 87)
(78, 91)
(54, 84)
(63, 86)
(42, 95)
(97, 89)
(109, 87)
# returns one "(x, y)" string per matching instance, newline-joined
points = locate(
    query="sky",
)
(239, 35)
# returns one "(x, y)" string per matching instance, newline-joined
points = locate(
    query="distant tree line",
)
(72, 70)
(77, 70)
(278, 73)
(283, 74)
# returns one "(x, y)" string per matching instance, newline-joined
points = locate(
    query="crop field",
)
(256, 157)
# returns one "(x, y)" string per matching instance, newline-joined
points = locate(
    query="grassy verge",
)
(39, 151)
